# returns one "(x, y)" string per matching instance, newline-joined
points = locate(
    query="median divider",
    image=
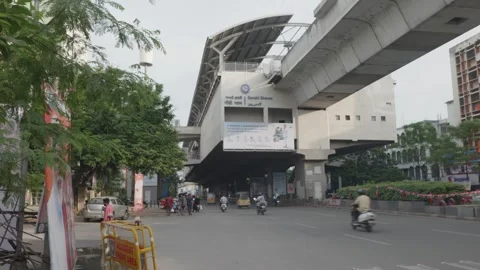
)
(127, 245)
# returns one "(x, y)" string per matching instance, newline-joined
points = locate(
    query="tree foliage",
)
(459, 147)
(367, 166)
(417, 140)
(119, 118)
(126, 120)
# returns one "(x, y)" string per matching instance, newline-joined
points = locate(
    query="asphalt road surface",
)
(308, 238)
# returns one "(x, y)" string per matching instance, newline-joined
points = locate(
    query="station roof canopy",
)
(250, 42)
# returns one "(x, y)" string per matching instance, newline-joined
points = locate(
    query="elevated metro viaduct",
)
(260, 117)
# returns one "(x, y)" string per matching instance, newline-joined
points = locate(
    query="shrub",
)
(386, 194)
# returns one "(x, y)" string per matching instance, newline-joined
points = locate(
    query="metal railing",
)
(243, 67)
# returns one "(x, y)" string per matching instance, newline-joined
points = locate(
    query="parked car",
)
(94, 209)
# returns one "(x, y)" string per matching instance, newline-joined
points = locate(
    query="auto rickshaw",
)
(243, 199)
(210, 198)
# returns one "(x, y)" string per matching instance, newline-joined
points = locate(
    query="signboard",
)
(138, 195)
(56, 205)
(150, 180)
(258, 136)
(279, 183)
(125, 253)
(291, 188)
(462, 179)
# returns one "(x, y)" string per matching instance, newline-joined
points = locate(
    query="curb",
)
(396, 213)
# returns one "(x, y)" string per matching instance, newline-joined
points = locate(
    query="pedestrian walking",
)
(183, 204)
(168, 204)
(189, 204)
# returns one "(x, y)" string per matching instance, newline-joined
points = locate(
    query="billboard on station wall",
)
(150, 180)
(258, 136)
(56, 206)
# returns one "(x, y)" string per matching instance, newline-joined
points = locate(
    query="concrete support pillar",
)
(311, 179)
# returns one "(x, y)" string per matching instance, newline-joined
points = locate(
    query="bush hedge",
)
(385, 194)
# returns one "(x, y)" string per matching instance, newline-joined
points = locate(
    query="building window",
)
(337, 117)
(374, 118)
(347, 117)
(357, 117)
(383, 118)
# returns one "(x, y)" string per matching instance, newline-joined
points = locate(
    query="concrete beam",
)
(358, 42)
(188, 133)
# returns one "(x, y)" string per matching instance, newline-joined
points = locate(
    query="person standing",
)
(189, 204)
(168, 204)
(108, 212)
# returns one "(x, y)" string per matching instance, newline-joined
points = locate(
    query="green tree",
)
(459, 147)
(40, 48)
(130, 117)
(367, 166)
(418, 139)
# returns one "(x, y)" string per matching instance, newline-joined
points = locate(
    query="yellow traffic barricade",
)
(126, 245)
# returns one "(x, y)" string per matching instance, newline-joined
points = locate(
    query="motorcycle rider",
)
(261, 200)
(360, 205)
(223, 200)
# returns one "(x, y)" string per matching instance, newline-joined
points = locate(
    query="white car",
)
(94, 210)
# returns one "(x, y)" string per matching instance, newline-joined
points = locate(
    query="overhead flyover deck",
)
(245, 42)
(353, 43)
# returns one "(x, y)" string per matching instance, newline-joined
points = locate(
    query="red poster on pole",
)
(56, 206)
(138, 195)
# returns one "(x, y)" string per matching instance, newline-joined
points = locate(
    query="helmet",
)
(362, 191)
(259, 194)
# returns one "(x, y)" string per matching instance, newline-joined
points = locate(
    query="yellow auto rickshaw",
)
(243, 199)
(210, 198)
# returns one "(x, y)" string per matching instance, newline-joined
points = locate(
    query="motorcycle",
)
(364, 220)
(223, 207)
(261, 208)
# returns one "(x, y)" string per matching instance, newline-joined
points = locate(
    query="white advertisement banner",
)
(258, 136)
(463, 179)
(279, 183)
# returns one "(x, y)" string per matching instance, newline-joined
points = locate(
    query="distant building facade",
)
(415, 165)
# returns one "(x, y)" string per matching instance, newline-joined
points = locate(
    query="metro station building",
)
(251, 133)
(256, 112)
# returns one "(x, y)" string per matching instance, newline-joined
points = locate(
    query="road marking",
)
(305, 225)
(163, 223)
(366, 239)
(383, 223)
(416, 267)
(459, 233)
(460, 266)
(470, 263)
(427, 267)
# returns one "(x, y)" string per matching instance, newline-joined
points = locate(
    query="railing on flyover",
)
(243, 67)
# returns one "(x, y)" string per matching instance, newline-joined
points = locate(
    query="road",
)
(304, 238)
(312, 238)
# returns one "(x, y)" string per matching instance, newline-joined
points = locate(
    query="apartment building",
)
(465, 67)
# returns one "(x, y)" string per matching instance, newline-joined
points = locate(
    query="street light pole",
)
(356, 168)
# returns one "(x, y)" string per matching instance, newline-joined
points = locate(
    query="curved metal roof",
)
(253, 41)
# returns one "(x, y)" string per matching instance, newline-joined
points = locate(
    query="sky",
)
(422, 87)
